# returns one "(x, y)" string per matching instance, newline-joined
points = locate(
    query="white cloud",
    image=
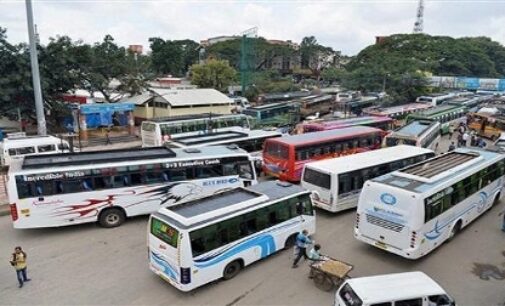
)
(344, 25)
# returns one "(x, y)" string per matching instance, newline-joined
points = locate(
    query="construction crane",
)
(247, 57)
(418, 25)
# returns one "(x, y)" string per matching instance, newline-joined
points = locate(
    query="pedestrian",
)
(315, 257)
(465, 139)
(481, 143)
(451, 131)
(473, 137)
(107, 137)
(452, 147)
(460, 140)
(461, 128)
(302, 241)
(19, 263)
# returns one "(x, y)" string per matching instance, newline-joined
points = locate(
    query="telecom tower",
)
(418, 26)
(247, 57)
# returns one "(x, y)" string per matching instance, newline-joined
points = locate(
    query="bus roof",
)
(415, 128)
(398, 109)
(227, 135)
(191, 117)
(31, 140)
(270, 106)
(381, 288)
(432, 173)
(366, 159)
(316, 137)
(328, 124)
(123, 155)
(436, 110)
(210, 208)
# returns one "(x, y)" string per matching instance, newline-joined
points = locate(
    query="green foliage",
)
(402, 60)
(173, 56)
(333, 75)
(217, 74)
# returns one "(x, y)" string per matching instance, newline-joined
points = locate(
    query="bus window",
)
(245, 171)
(46, 148)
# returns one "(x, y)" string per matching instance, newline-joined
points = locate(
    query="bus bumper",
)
(410, 253)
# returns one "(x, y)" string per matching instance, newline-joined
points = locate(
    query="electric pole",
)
(39, 106)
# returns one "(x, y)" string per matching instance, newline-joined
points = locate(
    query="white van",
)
(399, 289)
(14, 148)
(500, 142)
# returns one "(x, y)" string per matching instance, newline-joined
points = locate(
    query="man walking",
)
(302, 240)
(19, 263)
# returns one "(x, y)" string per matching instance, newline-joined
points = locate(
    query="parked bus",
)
(445, 114)
(275, 114)
(337, 182)
(155, 132)
(396, 112)
(412, 211)
(282, 96)
(15, 148)
(435, 99)
(109, 186)
(486, 125)
(321, 104)
(219, 235)
(285, 157)
(249, 140)
(383, 123)
(425, 134)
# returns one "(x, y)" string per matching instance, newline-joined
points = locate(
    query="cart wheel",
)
(323, 282)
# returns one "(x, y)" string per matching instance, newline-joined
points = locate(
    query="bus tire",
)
(455, 230)
(232, 269)
(496, 199)
(111, 217)
(290, 242)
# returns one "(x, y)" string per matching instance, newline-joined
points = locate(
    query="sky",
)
(348, 26)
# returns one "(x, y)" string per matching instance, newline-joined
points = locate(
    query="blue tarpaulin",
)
(105, 114)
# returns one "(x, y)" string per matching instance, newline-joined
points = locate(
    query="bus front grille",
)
(384, 223)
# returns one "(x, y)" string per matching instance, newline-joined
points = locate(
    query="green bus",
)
(274, 114)
(445, 114)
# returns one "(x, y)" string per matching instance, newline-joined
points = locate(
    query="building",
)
(161, 102)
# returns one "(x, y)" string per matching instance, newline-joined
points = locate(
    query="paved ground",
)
(90, 265)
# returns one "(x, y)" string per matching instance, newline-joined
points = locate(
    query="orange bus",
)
(284, 157)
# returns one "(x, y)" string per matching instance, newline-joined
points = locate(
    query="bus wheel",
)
(455, 230)
(232, 269)
(496, 199)
(290, 242)
(111, 217)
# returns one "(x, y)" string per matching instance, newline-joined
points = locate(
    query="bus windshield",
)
(278, 150)
(164, 232)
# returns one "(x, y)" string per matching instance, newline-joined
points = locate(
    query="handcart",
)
(329, 273)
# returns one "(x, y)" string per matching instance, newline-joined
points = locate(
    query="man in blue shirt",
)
(302, 241)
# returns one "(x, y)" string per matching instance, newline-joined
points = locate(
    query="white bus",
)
(436, 99)
(15, 148)
(109, 186)
(412, 211)
(155, 132)
(402, 289)
(206, 239)
(336, 183)
(420, 133)
(248, 140)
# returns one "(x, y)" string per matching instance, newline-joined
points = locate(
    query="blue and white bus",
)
(412, 211)
(214, 237)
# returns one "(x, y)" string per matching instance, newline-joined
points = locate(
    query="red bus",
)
(284, 157)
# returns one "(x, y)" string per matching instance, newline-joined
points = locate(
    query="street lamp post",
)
(39, 106)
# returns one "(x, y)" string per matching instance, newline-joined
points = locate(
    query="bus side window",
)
(245, 171)
(87, 185)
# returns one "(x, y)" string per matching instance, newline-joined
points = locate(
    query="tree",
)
(217, 74)
(173, 56)
(315, 56)
(332, 74)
